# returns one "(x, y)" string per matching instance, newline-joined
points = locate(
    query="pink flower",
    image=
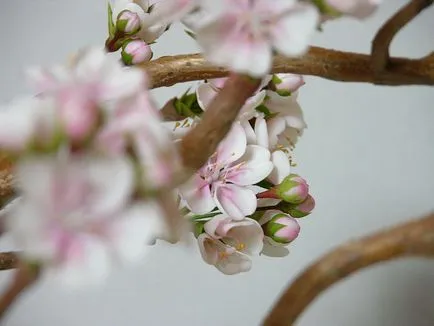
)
(357, 8)
(136, 125)
(287, 84)
(223, 181)
(82, 90)
(227, 244)
(243, 34)
(78, 221)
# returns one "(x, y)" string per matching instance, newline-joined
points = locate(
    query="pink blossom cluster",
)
(245, 200)
(89, 151)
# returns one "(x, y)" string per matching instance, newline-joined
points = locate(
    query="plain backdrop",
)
(368, 155)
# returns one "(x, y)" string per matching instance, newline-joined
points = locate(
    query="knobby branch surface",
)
(412, 239)
(381, 43)
(329, 64)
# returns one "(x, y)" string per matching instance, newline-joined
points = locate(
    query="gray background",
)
(368, 155)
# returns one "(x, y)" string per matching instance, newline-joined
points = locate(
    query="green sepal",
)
(111, 24)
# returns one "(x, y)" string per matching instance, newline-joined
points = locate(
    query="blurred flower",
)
(243, 34)
(223, 179)
(78, 220)
(287, 84)
(135, 52)
(27, 121)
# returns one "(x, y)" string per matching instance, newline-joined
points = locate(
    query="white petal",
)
(250, 133)
(248, 111)
(232, 146)
(235, 201)
(282, 167)
(261, 131)
(292, 33)
(211, 227)
(112, 181)
(205, 94)
(133, 230)
(254, 166)
(272, 249)
(247, 232)
(235, 263)
(197, 193)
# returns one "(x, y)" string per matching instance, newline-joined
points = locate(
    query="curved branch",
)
(415, 238)
(320, 62)
(383, 39)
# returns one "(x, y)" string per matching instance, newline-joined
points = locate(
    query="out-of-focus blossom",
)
(243, 34)
(78, 221)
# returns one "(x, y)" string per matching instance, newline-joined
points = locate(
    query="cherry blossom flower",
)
(227, 244)
(78, 221)
(223, 180)
(243, 34)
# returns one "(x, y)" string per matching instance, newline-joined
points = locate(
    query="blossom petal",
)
(133, 230)
(232, 146)
(254, 166)
(197, 193)
(261, 131)
(207, 248)
(245, 235)
(292, 33)
(205, 94)
(281, 169)
(235, 201)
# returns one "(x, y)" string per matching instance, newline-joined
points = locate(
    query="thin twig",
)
(329, 64)
(382, 40)
(412, 239)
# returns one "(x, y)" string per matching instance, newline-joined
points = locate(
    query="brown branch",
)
(412, 239)
(24, 277)
(320, 62)
(383, 39)
(201, 142)
(8, 260)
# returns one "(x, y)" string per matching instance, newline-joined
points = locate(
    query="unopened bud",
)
(298, 210)
(286, 84)
(282, 228)
(293, 189)
(128, 22)
(135, 52)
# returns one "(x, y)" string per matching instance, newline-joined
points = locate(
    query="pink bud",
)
(286, 84)
(298, 210)
(135, 52)
(357, 8)
(128, 22)
(282, 228)
(293, 189)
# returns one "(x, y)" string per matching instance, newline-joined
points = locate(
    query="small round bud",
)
(282, 228)
(293, 189)
(298, 210)
(135, 52)
(128, 22)
(286, 84)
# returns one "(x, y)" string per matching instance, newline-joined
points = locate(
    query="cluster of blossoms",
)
(92, 155)
(90, 150)
(245, 200)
